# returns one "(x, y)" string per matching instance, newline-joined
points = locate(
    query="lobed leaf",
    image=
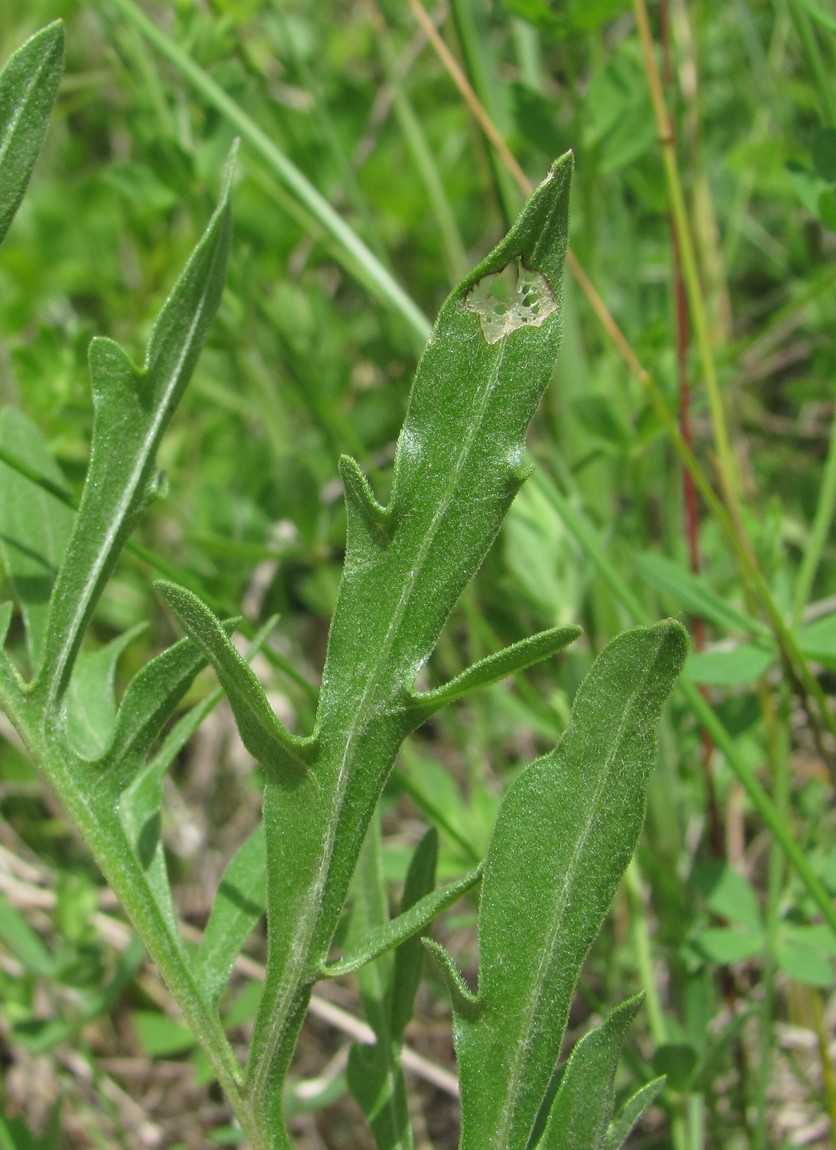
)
(458, 463)
(565, 832)
(28, 87)
(132, 408)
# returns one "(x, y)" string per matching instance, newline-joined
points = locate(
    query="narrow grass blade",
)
(361, 261)
(28, 87)
(581, 1112)
(409, 956)
(692, 595)
(132, 408)
(35, 527)
(23, 943)
(564, 834)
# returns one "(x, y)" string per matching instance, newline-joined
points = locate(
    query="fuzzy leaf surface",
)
(132, 408)
(581, 1112)
(458, 464)
(237, 908)
(631, 1112)
(565, 832)
(262, 733)
(28, 87)
(394, 932)
(494, 667)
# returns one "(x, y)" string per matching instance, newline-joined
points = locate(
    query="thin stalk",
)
(777, 727)
(102, 830)
(643, 953)
(823, 1039)
(728, 475)
(820, 533)
(379, 281)
(689, 491)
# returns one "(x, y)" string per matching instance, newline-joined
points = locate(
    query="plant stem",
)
(820, 534)
(95, 813)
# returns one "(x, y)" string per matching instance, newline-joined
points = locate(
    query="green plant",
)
(566, 827)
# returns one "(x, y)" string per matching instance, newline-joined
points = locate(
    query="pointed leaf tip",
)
(262, 733)
(28, 87)
(465, 1002)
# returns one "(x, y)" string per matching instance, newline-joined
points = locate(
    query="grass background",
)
(307, 361)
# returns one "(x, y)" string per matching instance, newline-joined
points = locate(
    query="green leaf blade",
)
(582, 1109)
(28, 87)
(564, 835)
(458, 462)
(262, 733)
(132, 408)
(493, 668)
(238, 906)
(632, 1110)
(458, 465)
(395, 932)
(91, 702)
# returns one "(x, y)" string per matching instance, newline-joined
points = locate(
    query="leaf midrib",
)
(21, 107)
(128, 493)
(294, 971)
(569, 884)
